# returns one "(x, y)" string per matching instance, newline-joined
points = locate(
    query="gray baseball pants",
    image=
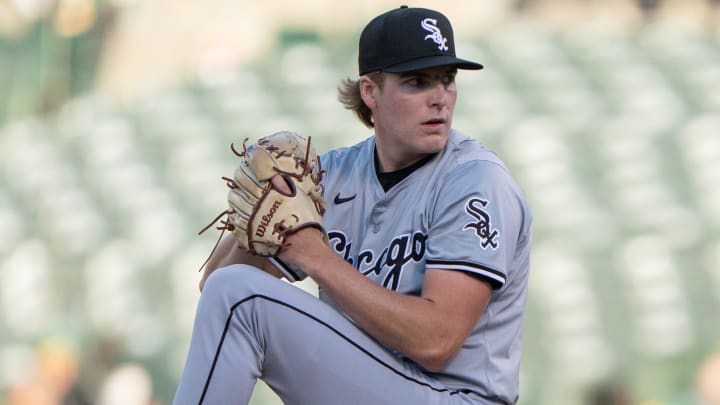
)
(250, 325)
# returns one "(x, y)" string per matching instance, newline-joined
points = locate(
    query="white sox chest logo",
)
(482, 227)
(430, 24)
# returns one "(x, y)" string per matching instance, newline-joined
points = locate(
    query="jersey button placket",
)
(376, 218)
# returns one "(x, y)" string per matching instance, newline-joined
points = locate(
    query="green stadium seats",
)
(613, 134)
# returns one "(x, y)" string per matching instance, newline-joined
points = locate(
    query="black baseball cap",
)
(406, 39)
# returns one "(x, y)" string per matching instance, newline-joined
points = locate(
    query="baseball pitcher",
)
(418, 238)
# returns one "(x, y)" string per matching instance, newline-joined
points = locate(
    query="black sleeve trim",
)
(495, 277)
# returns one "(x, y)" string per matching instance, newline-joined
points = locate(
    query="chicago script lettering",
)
(400, 251)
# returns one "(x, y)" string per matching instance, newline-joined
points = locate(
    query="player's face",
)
(413, 114)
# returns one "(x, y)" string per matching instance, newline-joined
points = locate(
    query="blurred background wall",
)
(115, 122)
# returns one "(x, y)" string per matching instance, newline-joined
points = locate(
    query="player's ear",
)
(367, 91)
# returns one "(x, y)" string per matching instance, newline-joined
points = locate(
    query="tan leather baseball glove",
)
(260, 215)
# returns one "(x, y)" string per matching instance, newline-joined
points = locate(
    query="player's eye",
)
(417, 82)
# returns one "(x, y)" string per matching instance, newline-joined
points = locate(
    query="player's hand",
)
(304, 249)
(302, 245)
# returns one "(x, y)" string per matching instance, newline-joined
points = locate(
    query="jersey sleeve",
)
(478, 219)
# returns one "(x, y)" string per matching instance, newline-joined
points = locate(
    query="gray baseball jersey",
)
(460, 211)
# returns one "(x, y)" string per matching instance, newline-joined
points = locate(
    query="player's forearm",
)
(415, 326)
(227, 253)
(410, 324)
(220, 253)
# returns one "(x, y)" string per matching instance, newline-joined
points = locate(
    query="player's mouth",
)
(434, 124)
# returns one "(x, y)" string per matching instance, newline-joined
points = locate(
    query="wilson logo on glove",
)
(265, 221)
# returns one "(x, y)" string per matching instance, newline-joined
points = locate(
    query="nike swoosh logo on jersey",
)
(339, 200)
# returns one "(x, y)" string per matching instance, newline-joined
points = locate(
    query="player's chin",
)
(434, 142)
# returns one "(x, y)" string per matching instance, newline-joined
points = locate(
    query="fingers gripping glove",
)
(260, 215)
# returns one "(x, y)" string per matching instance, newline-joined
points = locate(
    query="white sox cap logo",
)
(430, 25)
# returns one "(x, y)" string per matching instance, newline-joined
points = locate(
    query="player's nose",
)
(439, 95)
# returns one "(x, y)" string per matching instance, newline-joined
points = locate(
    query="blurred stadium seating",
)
(614, 135)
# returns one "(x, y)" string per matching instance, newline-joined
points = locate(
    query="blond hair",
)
(350, 97)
